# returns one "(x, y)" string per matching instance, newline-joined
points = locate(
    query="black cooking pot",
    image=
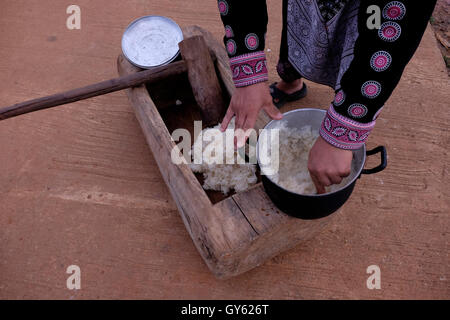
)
(317, 206)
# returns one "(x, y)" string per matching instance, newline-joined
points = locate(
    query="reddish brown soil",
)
(79, 185)
(441, 26)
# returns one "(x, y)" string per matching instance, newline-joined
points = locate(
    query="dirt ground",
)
(79, 185)
(440, 21)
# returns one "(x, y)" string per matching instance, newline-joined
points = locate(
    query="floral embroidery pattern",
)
(260, 65)
(394, 10)
(249, 68)
(339, 98)
(339, 131)
(343, 132)
(223, 7)
(353, 135)
(231, 47)
(371, 89)
(390, 31)
(229, 32)
(380, 61)
(236, 72)
(327, 124)
(357, 110)
(251, 41)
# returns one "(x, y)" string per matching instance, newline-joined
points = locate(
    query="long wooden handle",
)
(108, 86)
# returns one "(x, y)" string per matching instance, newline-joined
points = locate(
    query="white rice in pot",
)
(295, 145)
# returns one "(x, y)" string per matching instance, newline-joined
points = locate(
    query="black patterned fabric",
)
(329, 42)
(321, 50)
(328, 9)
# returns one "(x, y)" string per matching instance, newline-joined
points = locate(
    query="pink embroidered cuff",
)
(344, 133)
(249, 69)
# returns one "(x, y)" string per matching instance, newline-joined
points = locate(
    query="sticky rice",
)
(294, 147)
(221, 177)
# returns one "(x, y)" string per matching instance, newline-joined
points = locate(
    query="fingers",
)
(345, 172)
(335, 179)
(243, 122)
(226, 120)
(319, 185)
(239, 120)
(250, 121)
(245, 105)
(245, 129)
(241, 137)
(328, 165)
(322, 179)
(272, 111)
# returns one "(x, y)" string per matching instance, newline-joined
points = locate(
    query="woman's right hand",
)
(245, 104)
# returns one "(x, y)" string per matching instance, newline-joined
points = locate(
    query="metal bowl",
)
(313, 206)
(151, 41)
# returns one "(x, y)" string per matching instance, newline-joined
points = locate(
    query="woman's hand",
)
(328, 165)
(245, 104)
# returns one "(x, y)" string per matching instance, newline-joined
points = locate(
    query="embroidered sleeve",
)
(245, 24)
(380, 56)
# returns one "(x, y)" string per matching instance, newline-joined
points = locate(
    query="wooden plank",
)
(239, 232)
(223, 66)
(215, 230)
(260, 210)
(183, 185)
(203, 78)
(217, 50)
(265, 217)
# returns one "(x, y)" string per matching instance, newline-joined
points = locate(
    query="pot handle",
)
(382, 151)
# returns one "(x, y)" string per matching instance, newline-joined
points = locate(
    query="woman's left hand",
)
(328, 165)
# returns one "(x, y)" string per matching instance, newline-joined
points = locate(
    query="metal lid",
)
(151, 41)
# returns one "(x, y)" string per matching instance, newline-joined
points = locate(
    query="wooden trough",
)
(233, 233)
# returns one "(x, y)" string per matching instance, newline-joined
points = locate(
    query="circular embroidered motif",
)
(339, 98)
(380, 61)
(339, 131)
(229, 32)
(371, 89)
(394, 10)
(231, 47)
(251, 41)
(390, 31)
(357, 110)
(223, 7)
(247, 69)
(353, 135)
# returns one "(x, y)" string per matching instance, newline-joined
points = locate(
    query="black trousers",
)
(284, 68)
